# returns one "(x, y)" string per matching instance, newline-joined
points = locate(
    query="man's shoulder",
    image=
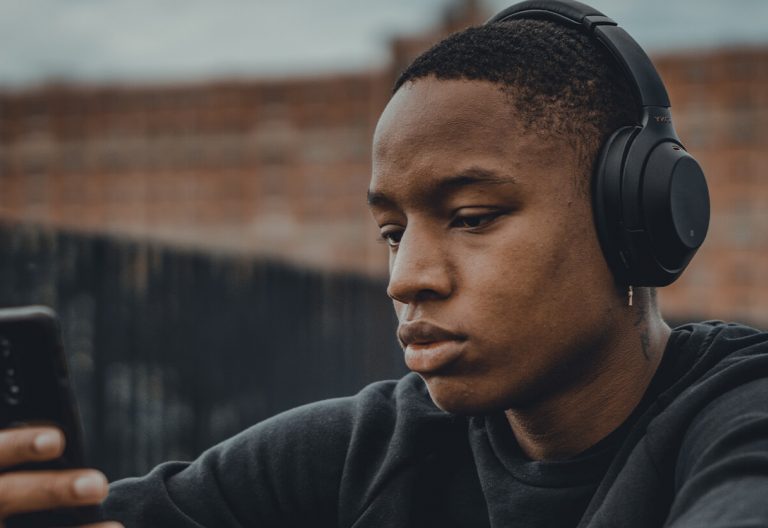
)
(407, 396)
(708, 410)
(714, 428)
(382, 408)
(717, 335)
(709, 363)
(714, 352)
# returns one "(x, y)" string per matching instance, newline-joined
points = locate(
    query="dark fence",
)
(172, 351)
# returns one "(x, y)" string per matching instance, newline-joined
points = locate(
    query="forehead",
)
(438, 128)
(431, 111)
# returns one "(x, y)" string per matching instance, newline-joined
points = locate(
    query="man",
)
(546, 390)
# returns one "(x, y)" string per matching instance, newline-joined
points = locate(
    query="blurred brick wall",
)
(720, 105)
(280, 167)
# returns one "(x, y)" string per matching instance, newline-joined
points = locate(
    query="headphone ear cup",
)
(675, 203)
(671, 202)
(606, 201)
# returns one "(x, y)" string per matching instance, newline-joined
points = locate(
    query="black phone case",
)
(35, 390)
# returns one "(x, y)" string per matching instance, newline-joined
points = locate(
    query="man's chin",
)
(461, 399)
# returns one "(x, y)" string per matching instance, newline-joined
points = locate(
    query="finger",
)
(29, 444)
(27, 491)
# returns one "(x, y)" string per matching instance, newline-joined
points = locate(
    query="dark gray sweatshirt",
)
(693, 454)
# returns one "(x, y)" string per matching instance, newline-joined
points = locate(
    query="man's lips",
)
(423, 332)
(429, 347)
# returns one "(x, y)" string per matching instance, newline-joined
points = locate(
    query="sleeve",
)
(722, 468)
(282, 472)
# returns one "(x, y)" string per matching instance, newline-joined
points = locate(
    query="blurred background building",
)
(143, 208)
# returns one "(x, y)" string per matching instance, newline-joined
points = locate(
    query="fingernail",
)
(91, 485)
(47, 442)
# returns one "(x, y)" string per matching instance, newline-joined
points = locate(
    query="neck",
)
(571, 421)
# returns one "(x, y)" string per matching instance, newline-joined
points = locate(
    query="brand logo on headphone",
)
(663, 119)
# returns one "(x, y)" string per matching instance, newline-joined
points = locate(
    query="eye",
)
(474, 221)
(391, 235)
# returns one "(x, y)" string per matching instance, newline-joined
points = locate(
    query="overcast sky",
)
(172, 40)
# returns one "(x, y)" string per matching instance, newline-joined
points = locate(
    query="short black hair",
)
(560, 81)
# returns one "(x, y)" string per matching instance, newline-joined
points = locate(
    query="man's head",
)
(559, 81)
(496, 273)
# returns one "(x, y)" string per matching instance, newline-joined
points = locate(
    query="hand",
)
(26, 491)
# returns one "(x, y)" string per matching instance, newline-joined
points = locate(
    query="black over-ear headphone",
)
(649, 196)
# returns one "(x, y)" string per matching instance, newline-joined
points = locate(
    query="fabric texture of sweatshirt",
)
(694, 453)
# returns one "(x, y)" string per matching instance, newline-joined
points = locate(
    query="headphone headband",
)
(638, 68)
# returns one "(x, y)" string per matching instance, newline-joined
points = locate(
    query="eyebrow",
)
(465, 178)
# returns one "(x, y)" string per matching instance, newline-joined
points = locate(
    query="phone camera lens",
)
(12, 393)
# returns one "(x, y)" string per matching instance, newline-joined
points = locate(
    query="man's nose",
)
(419, 269)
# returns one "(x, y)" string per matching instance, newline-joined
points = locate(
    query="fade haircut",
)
(559, 81)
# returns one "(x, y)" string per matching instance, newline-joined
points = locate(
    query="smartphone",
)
(35, 390)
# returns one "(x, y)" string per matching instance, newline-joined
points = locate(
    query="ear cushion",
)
(606, 201)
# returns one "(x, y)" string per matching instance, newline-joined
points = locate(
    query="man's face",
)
(501, 291)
